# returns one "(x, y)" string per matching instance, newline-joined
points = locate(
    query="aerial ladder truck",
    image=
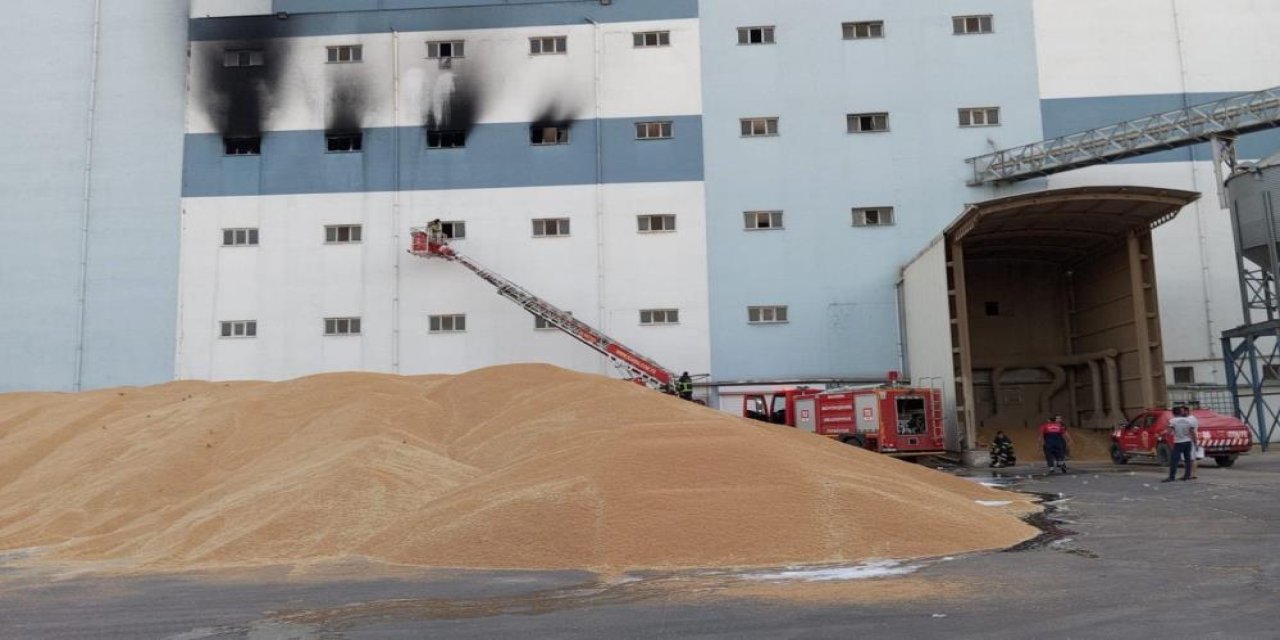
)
(640, 369)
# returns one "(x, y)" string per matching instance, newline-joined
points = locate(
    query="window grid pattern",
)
(245, 237)
(980, 117)
(968, 25)
(654, 223)
(755, 35)
(550, 227)
(868, 122)
(767, 315)
(344, 53)
(239, 329)
(872, 216)
(454, 229)
(446, 49)
(762, 220)
(243, 58)
(758, 127)
(548, 45)
(547, 135)
(653, 130)
(342, 326)
(646, 39)
(863, 30)
(649, 317)
(344, 142)
(343, 233)
(450, 323)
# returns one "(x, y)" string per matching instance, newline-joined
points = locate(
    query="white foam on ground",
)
(879, 569)
(993, 503)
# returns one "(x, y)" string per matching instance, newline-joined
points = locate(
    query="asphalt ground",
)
(1126, 556)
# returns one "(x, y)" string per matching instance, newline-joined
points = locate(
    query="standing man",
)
(1054, 439)
(1183, 426)
(684, 386)
(435, 231)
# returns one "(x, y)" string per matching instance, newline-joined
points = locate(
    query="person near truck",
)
(1183, 427)
(1002, 451)
(684, 386)
(1054, 439)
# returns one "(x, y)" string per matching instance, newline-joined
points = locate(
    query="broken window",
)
(343, 142)
(243, 58)
(548, 134)
(242, 146)
(446, 139)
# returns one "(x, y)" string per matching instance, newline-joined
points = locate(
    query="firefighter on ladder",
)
(435, 231)
(684, 386)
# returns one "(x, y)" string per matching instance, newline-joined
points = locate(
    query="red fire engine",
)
(896, 420)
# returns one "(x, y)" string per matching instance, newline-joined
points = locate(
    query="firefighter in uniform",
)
(684, 386)
(435, 231)
(1055, 438)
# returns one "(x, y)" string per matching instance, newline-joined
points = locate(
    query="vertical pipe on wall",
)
(602, 306)
(395, 199)
(87, 208)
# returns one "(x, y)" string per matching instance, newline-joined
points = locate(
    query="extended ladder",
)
(638, 367)
(1226, 118)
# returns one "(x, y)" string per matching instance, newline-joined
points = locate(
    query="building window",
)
(239, 237)
(653, 130)
(646, 39)
(453, 323)
(342, 326)
(755, 35)
(451, 139)
(757, 127)
(542, 324)
(762, 220)
(242, 146)
(767, 315)
(980, 117)
(868, 122)
(966, 25)
(243, 58)
(444, 49)
(343, 142)
(240, 329)
(1184, 375)
(872, 216)
(547, 227)
(549, 134)
(342, 234)
(454, 229)
(659, 316)
(548, 45)
(345, 53)
(655, 223)
(863, 30)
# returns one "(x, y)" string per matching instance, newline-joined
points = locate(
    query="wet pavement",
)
(1123, 556)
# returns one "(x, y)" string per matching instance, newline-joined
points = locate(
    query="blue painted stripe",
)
(337, 17)
(496, 156)
(1063, 116)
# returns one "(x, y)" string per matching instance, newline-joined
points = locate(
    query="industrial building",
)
(732, 187)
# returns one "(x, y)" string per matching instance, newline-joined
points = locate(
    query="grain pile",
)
(1086, 444)
(524, 466)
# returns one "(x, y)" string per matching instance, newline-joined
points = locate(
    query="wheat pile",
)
(523, 466)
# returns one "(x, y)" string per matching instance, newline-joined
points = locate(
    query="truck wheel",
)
(1117, 455)
(1162, 454)
(1224, 461)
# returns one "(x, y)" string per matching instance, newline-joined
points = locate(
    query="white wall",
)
(927, 321)
(1104, 47)
(222, 8)
(293, 280)
(516, 87)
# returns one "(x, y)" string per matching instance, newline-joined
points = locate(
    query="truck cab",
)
(779, 408)
(1144, 438)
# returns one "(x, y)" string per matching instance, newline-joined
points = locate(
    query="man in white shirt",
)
(1183, 426)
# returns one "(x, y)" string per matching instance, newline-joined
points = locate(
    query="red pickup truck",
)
(1224, 438)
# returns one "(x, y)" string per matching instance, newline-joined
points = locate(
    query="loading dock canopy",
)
(1063, 226)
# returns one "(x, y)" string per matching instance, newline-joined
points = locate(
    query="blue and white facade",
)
(729, 224)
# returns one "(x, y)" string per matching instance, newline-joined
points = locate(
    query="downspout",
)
(601, 306)
(396, 223)
(86, 208)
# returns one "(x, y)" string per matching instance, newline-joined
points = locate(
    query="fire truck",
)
(1146, 437)
(901, 421)
(636, 367)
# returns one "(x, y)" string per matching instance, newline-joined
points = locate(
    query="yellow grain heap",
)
(523, 466)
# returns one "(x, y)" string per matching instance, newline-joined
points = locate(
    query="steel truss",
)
(1171, 130)
(1252, 355)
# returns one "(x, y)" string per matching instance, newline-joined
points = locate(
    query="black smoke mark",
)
(454, 103)
(554, 114)
(348, 99)
(239, 99)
